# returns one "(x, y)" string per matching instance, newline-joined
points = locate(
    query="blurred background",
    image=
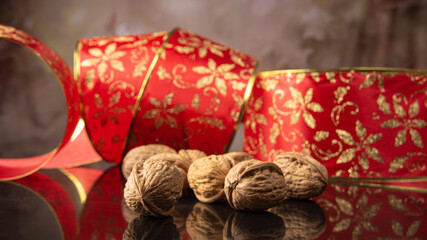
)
(281, 34)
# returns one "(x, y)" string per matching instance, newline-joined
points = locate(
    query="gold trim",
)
(384, 186)
(144, 85)
(76, 71)
(39, 166)
(77, 184)
(45, 201)
(403, 179)
(354, 69)
(246, 96)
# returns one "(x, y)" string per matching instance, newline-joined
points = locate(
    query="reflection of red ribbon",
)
(360, 123)
(175, 88)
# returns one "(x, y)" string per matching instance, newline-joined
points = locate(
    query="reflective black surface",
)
(82, 203)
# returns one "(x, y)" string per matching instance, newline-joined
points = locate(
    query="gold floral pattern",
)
(110, 111)
(300, 105)
(406, 120)
(363, 146)
(253, 118)
(355, 139)
(163, 111)
(214, 73)
(103, 59)
(192, 43)
(398, 230)
(361, 218)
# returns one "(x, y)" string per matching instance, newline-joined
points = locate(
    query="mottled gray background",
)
(282, 34)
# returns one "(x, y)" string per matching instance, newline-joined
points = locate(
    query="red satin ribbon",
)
(360, 123)
(15, 168)
(174, 88)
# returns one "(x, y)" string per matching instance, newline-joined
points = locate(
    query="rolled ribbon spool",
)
(360, 122)
(176, 88)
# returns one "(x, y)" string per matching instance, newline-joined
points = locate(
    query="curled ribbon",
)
(175, 88)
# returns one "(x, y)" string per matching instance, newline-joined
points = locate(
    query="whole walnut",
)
(206, 178)
(254, 225)
(191, 154)
(305, 177)
(181, 163)
(153, 188)
(127, 213)
(150, 228)
(254, 185)
(236, 157)
(304, 219)
(206, 221)
(141, 153)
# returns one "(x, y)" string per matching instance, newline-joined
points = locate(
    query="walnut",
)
(236, 157)
(153, 188)
(206, 178)
(191, 154)
(141, 153)
(128, 214)
(253, 185)
(304, 176)
(181, 163)
(254, 225)
(303, 219)
(206, 221)
(144, 227)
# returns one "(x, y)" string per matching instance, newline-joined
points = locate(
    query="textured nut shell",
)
(141, 153)
(304, 176)
(206, 178)
(149, 228)
(153, 188)
(254, 225)
(253, 185)
(181, 163)
(192, 154)
(127, 213)
(206, 221)
(237, 157)
(303, 219)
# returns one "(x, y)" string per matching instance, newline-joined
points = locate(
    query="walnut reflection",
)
(181, 212)
(304, 219)
(254, 225)
(206, 221)
(145, 227)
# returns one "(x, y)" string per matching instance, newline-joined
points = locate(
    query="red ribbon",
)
(176, 88)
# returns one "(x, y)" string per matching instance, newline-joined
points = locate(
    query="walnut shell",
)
(181, 163)
(141, 153)
(127, 213)
(191, 154)
(153, 188)
(206, 178)
(206, 221)
(236, 157)
(304, 219)
(305, 177)
(144, 227)
(254, 225)
(253, 185)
